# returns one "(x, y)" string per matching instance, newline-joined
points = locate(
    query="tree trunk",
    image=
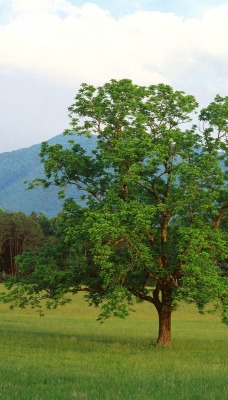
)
(164, 333)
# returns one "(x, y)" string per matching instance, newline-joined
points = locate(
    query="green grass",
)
(68, 355)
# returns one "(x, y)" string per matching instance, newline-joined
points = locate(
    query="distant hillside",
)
(24, 164)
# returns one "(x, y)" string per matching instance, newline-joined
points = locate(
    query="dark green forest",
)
(20, 233)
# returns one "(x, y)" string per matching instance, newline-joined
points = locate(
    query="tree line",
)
(21, 233)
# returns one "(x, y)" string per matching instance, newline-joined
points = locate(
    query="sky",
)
(49, 47)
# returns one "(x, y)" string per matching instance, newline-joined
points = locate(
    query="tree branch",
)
(151, 190)
(140, 295)
(217, 222)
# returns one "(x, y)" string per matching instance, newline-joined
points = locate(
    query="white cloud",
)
(67, 45)
(88, 44)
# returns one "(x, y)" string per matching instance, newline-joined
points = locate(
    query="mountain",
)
(24, 164)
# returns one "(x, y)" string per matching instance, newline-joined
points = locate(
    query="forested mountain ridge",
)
(24, 164)
(20, 165)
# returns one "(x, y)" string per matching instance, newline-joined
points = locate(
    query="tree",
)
(18, 233)
(155, 201)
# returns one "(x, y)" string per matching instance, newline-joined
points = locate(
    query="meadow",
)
(68, 355)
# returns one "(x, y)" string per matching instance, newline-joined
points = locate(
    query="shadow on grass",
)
(81, 336)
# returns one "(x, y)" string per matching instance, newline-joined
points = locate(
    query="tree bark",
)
(164, 308)
(164, 332)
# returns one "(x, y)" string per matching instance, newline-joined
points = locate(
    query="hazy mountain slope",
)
(24, 164)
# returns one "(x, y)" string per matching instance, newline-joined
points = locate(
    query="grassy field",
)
(68, 355)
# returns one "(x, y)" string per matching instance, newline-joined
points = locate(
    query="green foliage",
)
(18, 233)
(155, 202)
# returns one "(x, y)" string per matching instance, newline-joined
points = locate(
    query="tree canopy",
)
(154, 222)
